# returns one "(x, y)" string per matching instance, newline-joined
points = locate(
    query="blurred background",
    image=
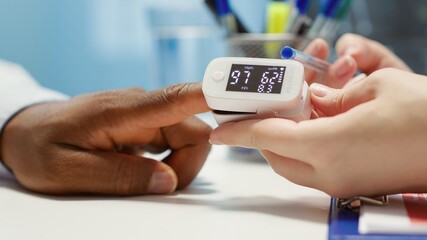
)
(79, 46)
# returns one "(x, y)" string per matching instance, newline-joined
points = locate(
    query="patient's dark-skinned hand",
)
(92, 143)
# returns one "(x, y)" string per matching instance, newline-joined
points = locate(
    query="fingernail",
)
(313, 48)
(320, 90)
(215, 141)
(343, 66)
(162, 181)
(352, 50)
(355, 80)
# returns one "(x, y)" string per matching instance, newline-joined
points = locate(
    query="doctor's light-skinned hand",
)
(87, 144)
(354, 52)
(372, 142)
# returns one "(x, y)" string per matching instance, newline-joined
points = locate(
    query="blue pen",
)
(226, 16)
(299, 15)
(303, 6)
(328, 9)
(211, 4)
(308, 61)
(330, 27)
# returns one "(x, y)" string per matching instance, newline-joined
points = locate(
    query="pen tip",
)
(288, 53)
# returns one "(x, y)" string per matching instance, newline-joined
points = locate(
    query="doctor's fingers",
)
(303, 141)
(338, 73)
(368, 54)
(317, 48)
(294, 170)
(331, 101)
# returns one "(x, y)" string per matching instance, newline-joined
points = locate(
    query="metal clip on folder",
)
(356, 201)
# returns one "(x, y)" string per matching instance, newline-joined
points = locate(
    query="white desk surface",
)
(231, 198)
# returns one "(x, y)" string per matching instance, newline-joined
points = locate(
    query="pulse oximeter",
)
(256, 88)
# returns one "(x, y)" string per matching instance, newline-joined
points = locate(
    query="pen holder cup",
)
(262, 45)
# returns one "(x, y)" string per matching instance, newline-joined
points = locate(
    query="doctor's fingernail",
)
(352, 50)
(313, 48)
(215, 141)
(320, 90)
(343, 66)
(162, 181)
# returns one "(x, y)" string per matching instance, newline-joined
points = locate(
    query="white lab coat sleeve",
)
(17, 91)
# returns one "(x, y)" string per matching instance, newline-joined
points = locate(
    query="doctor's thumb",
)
(331, 101)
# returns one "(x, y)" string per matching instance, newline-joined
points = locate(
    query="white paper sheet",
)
(405, 214)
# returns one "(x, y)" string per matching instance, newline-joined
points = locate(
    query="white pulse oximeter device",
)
(256, 88)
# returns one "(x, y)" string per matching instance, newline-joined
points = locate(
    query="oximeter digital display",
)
(255, 88)
(255, 78)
